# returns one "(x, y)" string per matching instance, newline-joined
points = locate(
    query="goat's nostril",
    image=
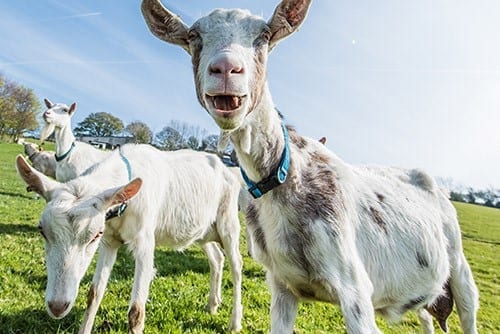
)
(236, 70)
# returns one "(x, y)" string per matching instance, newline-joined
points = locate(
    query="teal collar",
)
(117, 211)
(65, 155)
(127, 163)
(277, 177)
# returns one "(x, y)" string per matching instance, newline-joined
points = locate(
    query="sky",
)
(414, 84)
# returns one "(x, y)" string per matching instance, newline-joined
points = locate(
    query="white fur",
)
(185, 197)
(58, 120)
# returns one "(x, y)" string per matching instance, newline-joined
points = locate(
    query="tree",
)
(177, 135)
(100, 124)
(140, 131)
(19, 108)
(169, 139)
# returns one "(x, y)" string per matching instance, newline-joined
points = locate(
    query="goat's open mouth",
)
(225, 103)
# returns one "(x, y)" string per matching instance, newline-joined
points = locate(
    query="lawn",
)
(180, 289)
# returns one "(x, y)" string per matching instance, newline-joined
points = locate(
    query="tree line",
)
(20, 111)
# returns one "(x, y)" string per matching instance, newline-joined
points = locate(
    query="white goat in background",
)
(174, 199)
(43, 161)
(369, 239)
(72, 157)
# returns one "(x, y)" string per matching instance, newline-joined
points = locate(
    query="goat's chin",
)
(47, 131)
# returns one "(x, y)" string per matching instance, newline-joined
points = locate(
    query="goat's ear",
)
(164, 24)
(72, 108)
(48, 104)
(35, 180)
(121, 194)
(322, 140)
(287, 18)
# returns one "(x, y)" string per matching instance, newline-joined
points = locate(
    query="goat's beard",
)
(46, 131)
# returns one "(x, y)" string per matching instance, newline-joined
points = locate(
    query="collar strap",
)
(277, 177)
(127, 163)
(65, 155)
(117, 211)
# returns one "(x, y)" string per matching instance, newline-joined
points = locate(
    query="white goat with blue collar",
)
(149, 197)
(72, 157)
(372, 240)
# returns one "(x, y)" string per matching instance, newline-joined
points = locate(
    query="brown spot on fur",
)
(414, 303)
(319, 158)
(442, 307)
(135, 317)
(298, 140)
(377, 217)
(422, 261)
(92, 295)
(380, 197)
(252, 219)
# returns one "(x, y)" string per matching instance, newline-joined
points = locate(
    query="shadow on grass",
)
(11, 194)
(37, 321)
(18, 228)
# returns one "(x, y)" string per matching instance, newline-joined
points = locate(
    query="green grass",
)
(179, 291)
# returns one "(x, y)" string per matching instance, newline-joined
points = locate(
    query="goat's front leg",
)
(105, 262)
(354, 290)
(284, 306)
(144, 273)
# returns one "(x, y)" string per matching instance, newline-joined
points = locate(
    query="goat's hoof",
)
(234, 327)
(212, 309)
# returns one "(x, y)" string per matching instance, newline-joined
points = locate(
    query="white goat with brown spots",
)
(174, 199)
(72, 157)
(369, 239)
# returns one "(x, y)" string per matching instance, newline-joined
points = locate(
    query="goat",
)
(43, 161)
(184, 197)
(72, 157)
(369, 239)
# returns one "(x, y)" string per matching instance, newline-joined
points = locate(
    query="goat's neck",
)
(259, 142)
(64, 138)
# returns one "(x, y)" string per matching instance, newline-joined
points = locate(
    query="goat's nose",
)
(58, 308)
(226, 64)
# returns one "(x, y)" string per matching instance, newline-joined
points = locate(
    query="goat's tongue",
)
(226, 102)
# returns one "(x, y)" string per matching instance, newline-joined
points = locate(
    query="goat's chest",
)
(285, 249)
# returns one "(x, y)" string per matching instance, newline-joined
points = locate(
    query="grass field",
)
(180, 289)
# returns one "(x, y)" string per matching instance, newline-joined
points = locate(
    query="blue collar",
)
(127, 163)
(61, 157)
(117, 211)
(277, 177)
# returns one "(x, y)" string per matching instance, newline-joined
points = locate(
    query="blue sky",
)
(400, 83)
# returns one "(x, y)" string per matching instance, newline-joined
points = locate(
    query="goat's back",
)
(185, 191)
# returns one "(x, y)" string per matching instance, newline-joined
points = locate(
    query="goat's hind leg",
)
(465, 294)
(216, 262)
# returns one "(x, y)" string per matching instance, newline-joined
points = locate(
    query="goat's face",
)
(72, 230)
(229, 51)
(72, 224)
(57, 115)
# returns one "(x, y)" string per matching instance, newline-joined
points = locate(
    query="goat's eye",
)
(97, 236)
(40, 230)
